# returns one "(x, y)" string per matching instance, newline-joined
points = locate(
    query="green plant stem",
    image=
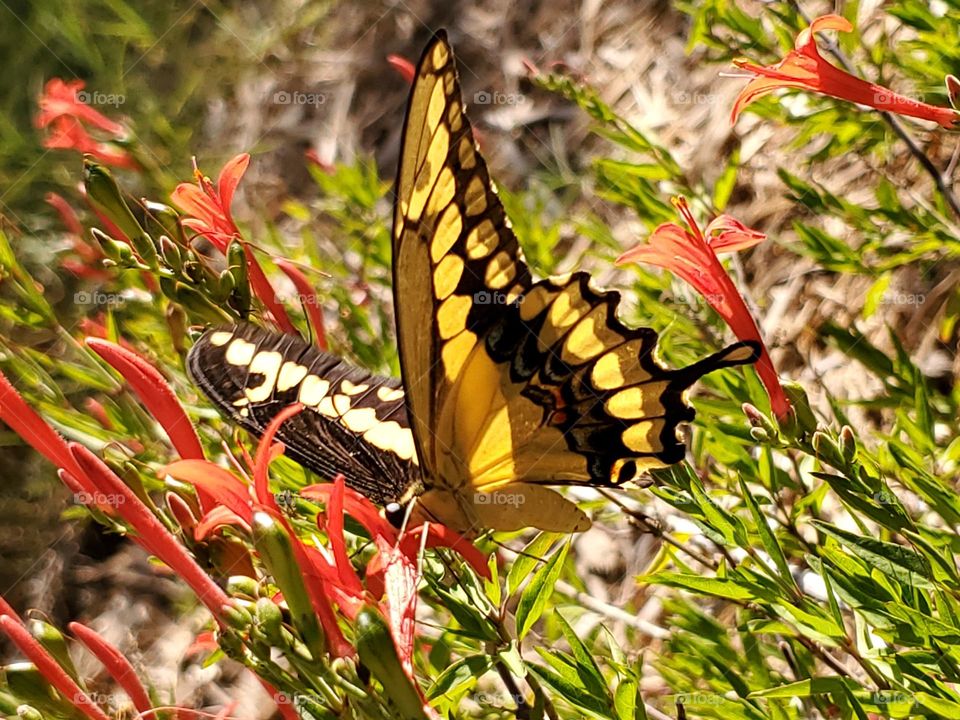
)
(523, 709)
(549, 710)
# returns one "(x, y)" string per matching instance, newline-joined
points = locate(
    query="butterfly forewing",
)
(455, 258)
(354, 422)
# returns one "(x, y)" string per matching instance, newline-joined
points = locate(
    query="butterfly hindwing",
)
(354, 422)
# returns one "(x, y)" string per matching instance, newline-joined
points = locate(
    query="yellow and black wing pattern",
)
(511, 382)
(354, 423)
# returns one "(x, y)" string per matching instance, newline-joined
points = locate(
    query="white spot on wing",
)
(240, 352)
(268, 364)
(290, 374)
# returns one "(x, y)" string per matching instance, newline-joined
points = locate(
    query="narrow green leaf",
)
(532, 555)
(459, 678)
(767, 537)
(896, 561)
(590, 673)
(535, 596)
(723, 588)
(806, 688)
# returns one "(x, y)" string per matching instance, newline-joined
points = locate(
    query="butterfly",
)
(508, 385)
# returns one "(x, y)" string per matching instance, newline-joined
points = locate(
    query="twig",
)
(646, 524)
(611, 611)
(523, 709)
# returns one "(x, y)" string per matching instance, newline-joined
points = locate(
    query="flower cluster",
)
(67, 122)
(319, 585)
(692, 254)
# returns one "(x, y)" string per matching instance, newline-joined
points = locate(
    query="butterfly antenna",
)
(516, 552)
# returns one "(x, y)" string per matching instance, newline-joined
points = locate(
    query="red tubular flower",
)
(184, 513)
(266, 453)
(349, 580)
(94, 408)
(264, 290)
(69, 134)
(50, 669)
(225, 489)
(150, 531)
(692, 255)
(24, 421)
(66, 120)
(209, 215)
(404, 67)
(218, 518)
(393, 573)
(208, 207)
(401, 576)
(60, 99)
(308, 298)
(152, 389)
(366, 513)
(87, 264)
(67, 214)
(116, 665)
(314, 582)
(355, 505)
(805, 68)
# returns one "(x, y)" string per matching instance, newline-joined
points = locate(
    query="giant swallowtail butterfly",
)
(507, 385)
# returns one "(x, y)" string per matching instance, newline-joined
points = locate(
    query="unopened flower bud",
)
(848, 444)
